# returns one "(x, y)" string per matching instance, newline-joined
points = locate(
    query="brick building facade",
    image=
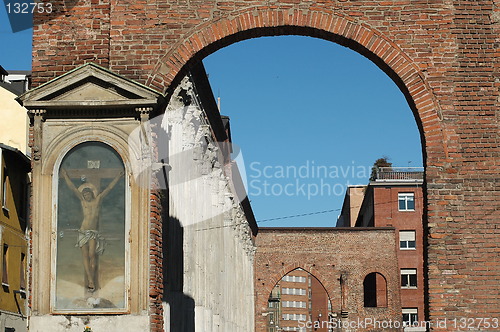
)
(327, 254)
(394, 199)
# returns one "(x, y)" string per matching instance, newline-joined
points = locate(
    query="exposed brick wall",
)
(29, 269)
(442, 53)
(464, 268)
(156, 259)
(76, 32)
(156, 291)
(327, 254)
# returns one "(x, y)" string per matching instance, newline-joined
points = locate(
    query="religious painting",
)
(91, 231)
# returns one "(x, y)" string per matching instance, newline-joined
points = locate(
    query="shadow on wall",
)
(181, 306)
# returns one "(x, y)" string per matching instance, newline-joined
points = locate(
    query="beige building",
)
(352, 204)
(14, 170)
(14, 131)
(14, 176)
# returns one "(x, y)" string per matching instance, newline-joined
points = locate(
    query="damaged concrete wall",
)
(215, 292)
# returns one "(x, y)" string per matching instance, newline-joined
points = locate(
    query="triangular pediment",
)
(90, 87)
(87, 91)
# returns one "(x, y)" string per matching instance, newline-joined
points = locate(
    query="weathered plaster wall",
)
(78, 323)
(217, 247)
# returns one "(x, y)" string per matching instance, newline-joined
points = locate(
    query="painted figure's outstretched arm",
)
(111, 185)
(70, 183)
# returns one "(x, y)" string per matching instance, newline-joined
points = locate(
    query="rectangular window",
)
(294, 291)
(410, 316)
(5, 276)
(408, 278)
(294, 304)
(406, 202)
(1, 173)
(294, 317)
(407, 240)
(4, 189)
(294, 278)
(22, 273)
(23, 204)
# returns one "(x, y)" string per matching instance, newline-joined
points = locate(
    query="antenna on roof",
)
(218, 100)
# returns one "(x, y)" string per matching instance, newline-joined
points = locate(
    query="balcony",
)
(400, 174)
(275, 295)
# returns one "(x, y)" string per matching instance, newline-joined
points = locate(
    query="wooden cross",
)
(93, 174)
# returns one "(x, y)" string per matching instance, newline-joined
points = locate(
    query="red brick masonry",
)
(443, 54)
(328, 254)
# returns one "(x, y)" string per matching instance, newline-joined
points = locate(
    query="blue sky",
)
(310, 117)
(15, 53)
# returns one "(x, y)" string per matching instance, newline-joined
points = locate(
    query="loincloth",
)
(84, 236)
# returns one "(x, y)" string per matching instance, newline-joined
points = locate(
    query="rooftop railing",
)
(400, 174)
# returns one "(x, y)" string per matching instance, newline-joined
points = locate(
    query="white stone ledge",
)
(66, 323)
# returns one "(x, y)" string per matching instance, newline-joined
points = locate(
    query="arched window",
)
(375, 290)
(298, 295)
(91, 230)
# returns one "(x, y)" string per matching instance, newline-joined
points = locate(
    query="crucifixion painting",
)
(90, 262)
(89, 239)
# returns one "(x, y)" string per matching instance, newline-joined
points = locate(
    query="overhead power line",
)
(300, 215)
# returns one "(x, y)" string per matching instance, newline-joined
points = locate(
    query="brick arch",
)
(379, 271)
(386, 297)
(254, 22)
(327, 277)
(276, 276)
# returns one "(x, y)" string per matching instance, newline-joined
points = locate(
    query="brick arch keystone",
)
(211, 36)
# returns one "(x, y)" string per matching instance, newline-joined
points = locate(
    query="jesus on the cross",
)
(89, 239)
